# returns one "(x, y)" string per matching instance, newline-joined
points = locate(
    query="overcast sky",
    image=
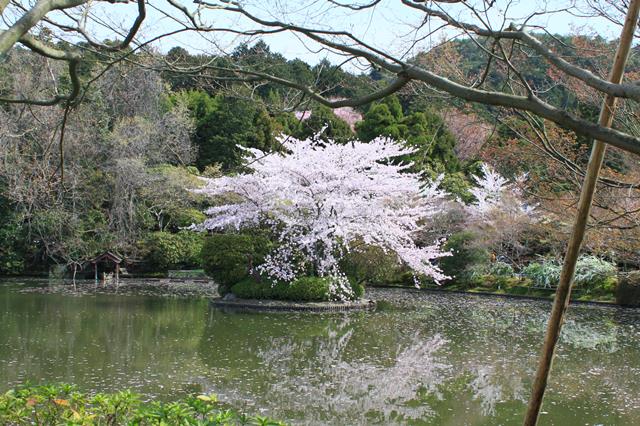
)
(388, 26)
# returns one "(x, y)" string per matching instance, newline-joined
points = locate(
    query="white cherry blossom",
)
(319, 199)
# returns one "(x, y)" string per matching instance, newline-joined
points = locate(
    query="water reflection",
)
(333, 371)
(422, 359)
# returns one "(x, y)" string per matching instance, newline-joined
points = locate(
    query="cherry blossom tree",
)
(500, 215)
(494, 191)
(322, 199)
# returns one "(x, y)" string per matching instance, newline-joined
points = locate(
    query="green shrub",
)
(500, 282)
(164, 250)
(65, 405)
(228, 258)
(546, 274)
(464, 256)
(501, 269)
(593, 273)
(358, 289)
(372, 265)
(249, 288)
(304, 289)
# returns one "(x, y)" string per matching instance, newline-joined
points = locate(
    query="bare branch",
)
(31, 18)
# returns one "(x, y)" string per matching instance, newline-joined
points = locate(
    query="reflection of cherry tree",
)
(395, 387)
(489, 387)
(350, 388)
(445, 359)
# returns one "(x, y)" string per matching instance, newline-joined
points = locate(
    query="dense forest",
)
(113, 172)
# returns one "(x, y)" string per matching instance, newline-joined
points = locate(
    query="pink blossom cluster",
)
(348, 115)
(302, 115)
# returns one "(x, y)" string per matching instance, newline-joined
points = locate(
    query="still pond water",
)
(421, 358)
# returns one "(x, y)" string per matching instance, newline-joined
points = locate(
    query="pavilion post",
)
(117, 276)
(563, 292)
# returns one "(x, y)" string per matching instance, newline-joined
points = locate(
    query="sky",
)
(388, 26)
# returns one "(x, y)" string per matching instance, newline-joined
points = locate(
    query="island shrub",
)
(229, 258)
(372, 265)
(303, 289)
(64, 404)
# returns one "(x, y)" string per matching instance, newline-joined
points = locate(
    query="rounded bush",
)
(228, 258)
(165, 250)
(304, 289)
(249, 288)
(310, 289)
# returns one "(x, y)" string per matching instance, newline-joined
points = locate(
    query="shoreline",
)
(267, 305)
(162, 287)
(199, 288)
(507, 295)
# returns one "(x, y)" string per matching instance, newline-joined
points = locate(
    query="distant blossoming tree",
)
(319, 200)
(495, 192)
(500, 215)
(302, 115)
(347, 114)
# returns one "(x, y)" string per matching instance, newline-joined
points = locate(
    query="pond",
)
(421, 358)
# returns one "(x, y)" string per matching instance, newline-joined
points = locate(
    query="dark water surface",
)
(421, 358)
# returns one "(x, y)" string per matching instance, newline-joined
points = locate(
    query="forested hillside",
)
(112, 172)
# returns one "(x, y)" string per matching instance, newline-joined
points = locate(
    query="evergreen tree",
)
(224, 124)
(424, 131)
(323, 122)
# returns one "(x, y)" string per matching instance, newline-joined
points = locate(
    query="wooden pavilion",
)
(110, 260)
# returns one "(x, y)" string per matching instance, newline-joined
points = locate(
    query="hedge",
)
(305, 289)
